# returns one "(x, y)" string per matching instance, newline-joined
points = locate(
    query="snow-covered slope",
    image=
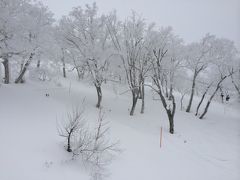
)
(31, 148)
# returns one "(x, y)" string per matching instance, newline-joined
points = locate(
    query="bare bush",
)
(92, 146)
(95, 148)
(71, 127)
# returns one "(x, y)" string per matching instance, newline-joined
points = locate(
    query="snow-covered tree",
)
(198, 58)
(37, 27)
(10, 21)
(133, 45)
(86, 33)
(164, 64)
(223, 55)
(23, 29)
(236, 79)
(130, 43)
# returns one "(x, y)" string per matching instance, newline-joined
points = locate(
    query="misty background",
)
(190, 19)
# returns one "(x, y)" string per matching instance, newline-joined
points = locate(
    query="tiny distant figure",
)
(222, 97)
(47, 95)
(227, 98)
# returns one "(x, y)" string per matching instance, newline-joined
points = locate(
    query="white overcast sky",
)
(190, 19)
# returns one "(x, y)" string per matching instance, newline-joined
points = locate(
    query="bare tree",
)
(95, 148)
(71, 127)
(91, 144)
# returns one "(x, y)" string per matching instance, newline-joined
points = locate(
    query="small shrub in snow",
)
(92, 146)
(72, 127)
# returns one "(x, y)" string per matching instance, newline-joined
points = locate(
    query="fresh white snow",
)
(31, 148)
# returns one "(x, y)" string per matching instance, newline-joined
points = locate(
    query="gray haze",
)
(190, 19)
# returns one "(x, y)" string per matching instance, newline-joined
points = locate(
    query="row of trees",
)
(101, 48)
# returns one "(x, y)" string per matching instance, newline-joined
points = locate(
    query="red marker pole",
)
(161, 137)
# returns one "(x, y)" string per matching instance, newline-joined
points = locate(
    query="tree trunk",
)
(99, 95)
(170, 92)
(38, 63)
(171, 85)
(203, 96)
(135, 95)
(236, 87)
(192, 93)
(199, 104)
(140, 92)
(64, 68)
(143, 97)
(22, 65)
(6, 70)
(208, 103)
(166, 89)
(170, 112)
(69, 149)
(79, 74)
(212, 96)
(171, 124)
(24, 69)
